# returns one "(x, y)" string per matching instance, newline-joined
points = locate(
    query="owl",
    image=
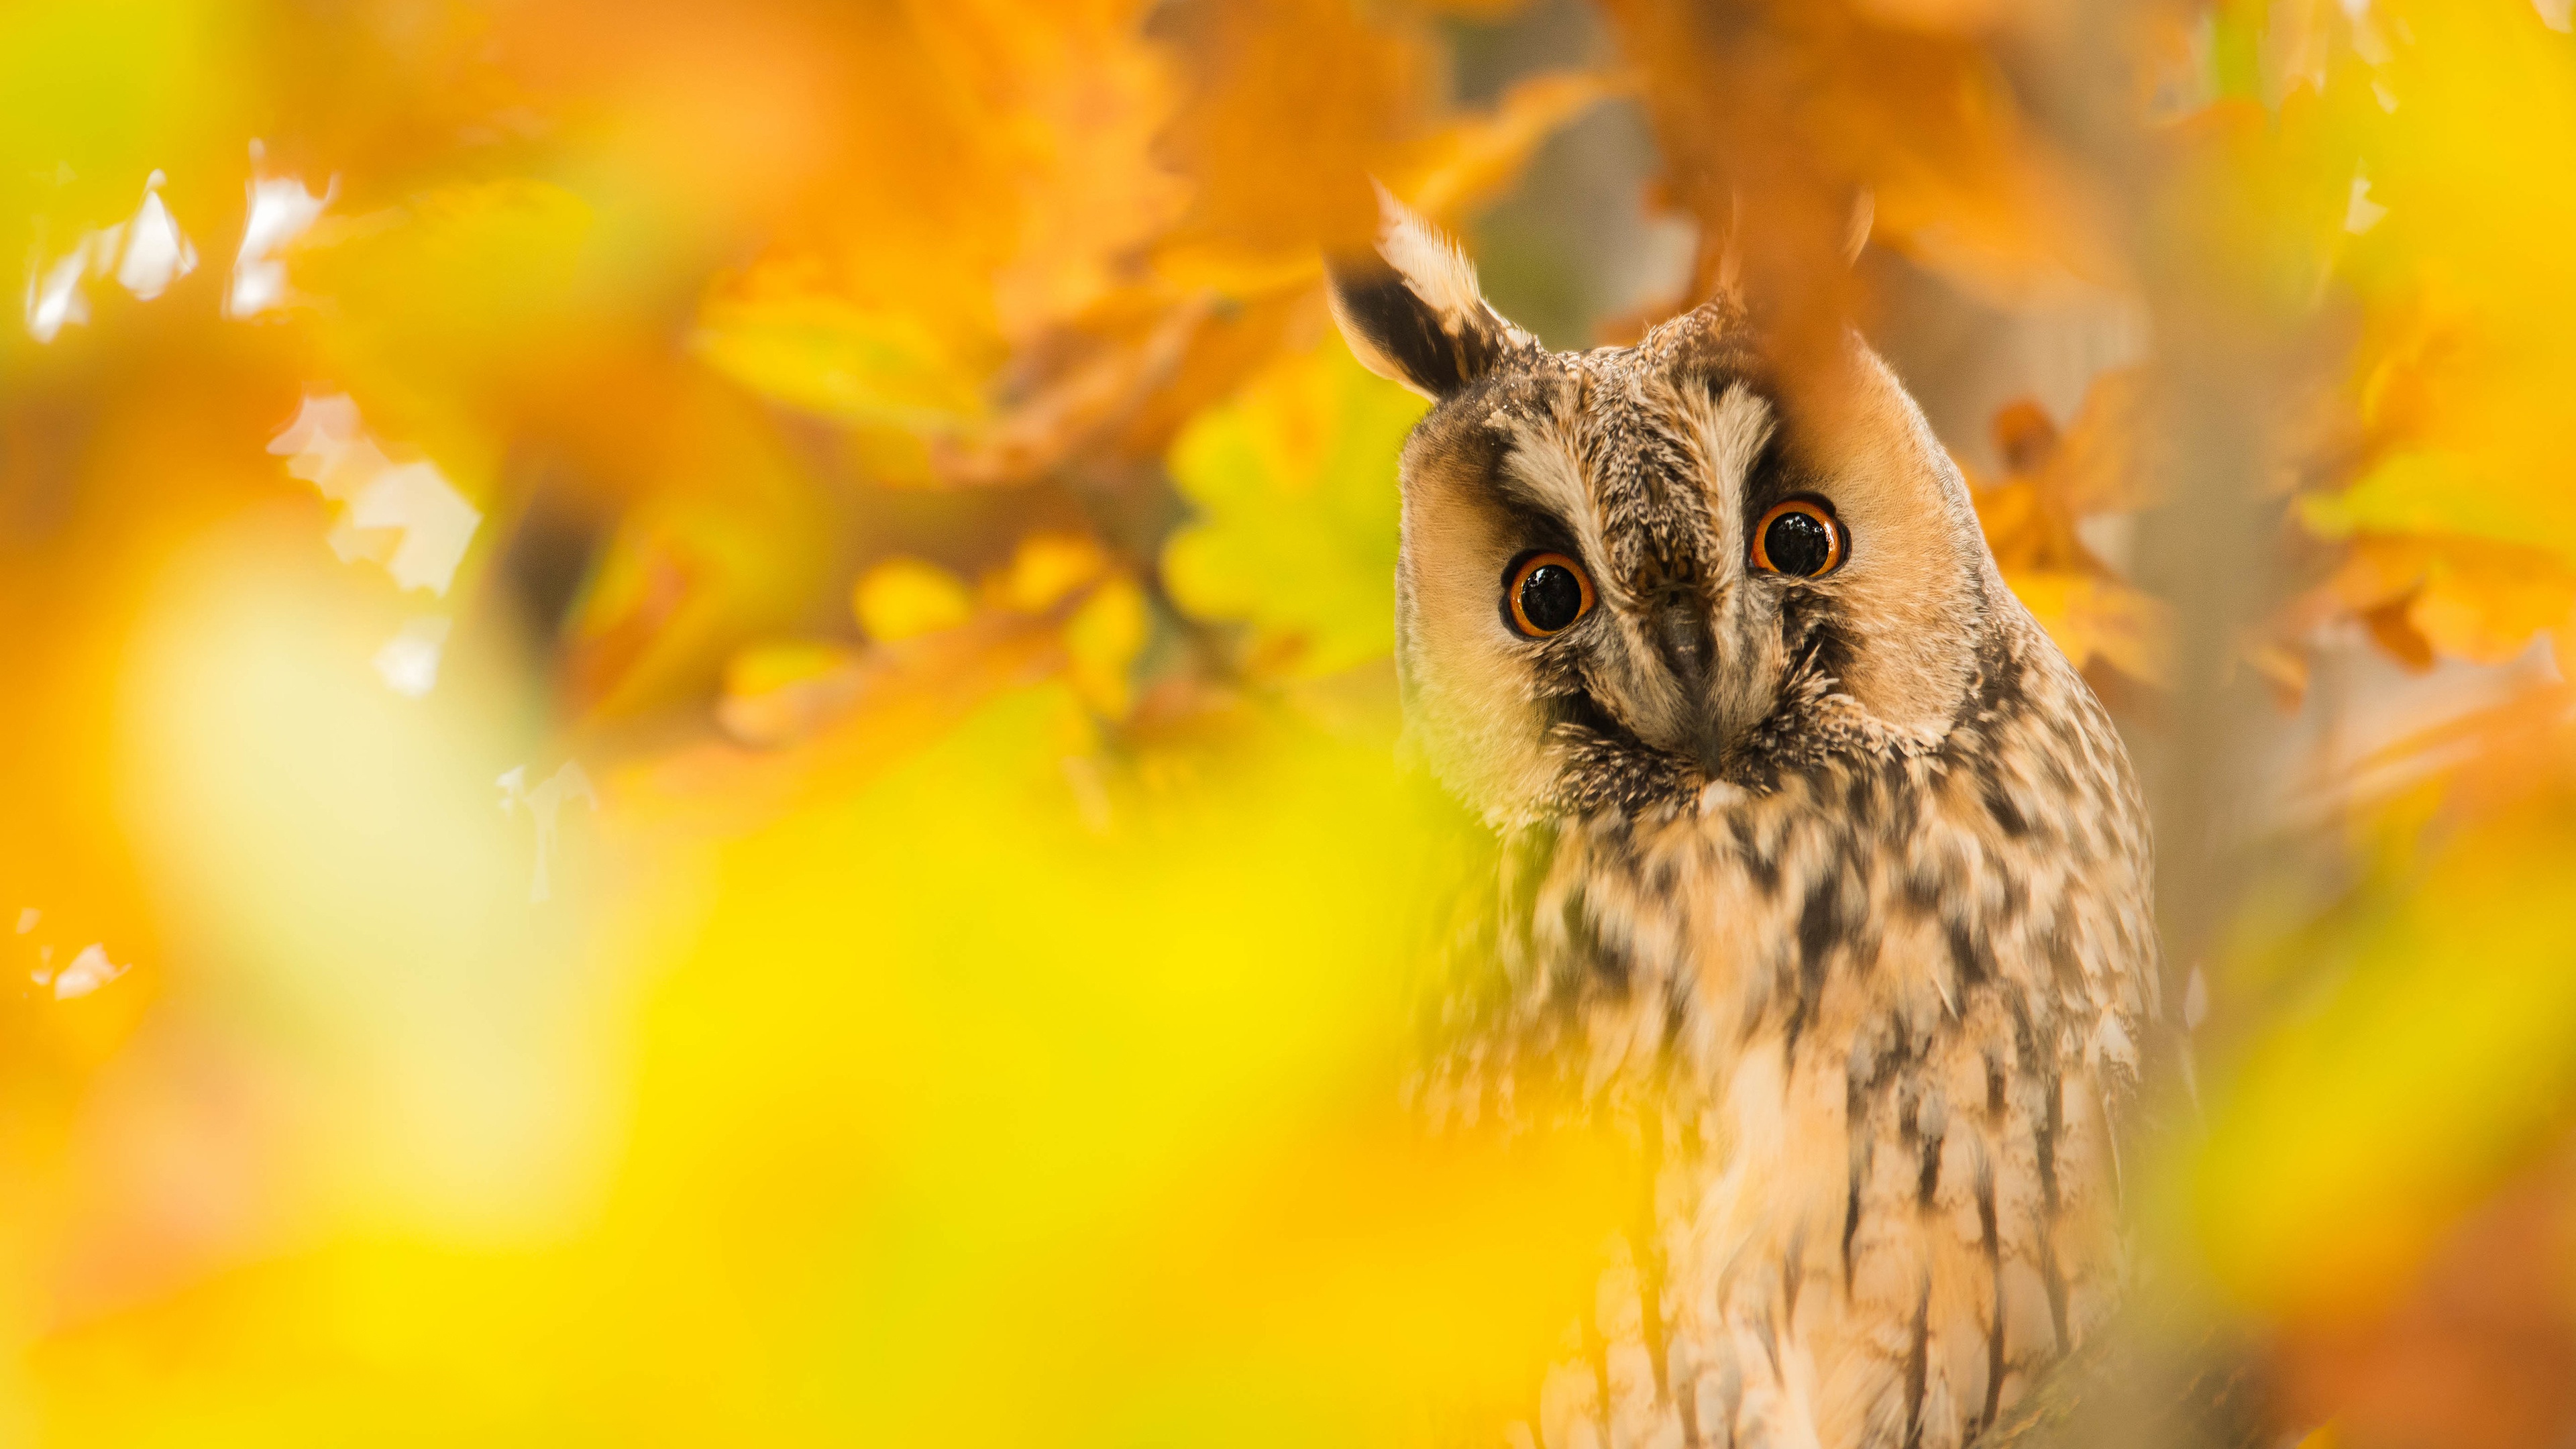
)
(1820, 871)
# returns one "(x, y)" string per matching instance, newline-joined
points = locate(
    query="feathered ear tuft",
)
(1412, 311)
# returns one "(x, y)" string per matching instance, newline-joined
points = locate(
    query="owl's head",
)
(1631, 571)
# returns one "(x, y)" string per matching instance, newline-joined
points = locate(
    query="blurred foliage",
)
(1295, 528)
(897, 450)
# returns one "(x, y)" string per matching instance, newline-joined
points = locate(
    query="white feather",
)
(1430, 263)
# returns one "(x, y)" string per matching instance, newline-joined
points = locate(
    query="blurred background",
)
(697, 740)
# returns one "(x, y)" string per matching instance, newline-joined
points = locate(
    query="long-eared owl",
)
(1814, 855)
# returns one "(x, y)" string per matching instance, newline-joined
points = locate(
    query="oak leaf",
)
(1293, 484)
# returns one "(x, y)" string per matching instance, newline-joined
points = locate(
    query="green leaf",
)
(1294, 485)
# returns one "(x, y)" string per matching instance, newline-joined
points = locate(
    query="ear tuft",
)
(1412, 312)
(1864, 215)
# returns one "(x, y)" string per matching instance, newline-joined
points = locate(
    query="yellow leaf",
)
(2487, 605)
(1101, 642)
(1294, 488)
(727, 549)
(2351, 1134)
(779, 692)
(2433, 492)
(465, 289)
(2015, 527)
(1046, 567)
(904, 598)
(767, 667)
(880, 367)
(2096, 618)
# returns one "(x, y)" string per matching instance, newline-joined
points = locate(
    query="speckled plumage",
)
(1834, 891)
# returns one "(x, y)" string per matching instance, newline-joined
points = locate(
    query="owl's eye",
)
(1546, 593)
(1798, 537)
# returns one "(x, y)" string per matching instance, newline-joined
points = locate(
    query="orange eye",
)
(1798, 537)
(1546, 593)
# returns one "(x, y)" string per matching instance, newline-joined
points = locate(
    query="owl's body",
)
(1830, 884)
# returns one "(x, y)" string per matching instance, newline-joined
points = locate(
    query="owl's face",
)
(1628, 572)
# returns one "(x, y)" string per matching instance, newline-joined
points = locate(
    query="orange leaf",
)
(2096, 618)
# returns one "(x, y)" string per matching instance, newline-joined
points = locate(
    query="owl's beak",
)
(1682, 632)
(1689, 647)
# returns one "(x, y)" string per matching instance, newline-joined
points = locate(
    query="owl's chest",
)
(1868, 887)
(1807, 919)
(1880, 1030)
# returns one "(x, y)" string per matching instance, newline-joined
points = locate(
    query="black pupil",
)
(1551, 597)
(1798, 543)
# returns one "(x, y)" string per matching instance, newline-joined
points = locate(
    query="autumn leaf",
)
(2455, 497)
(781, 692)
(720, 549)
(2096, 618)
(444, 310)
(2429, 493)
(1346, 81)
(2051, 485)
(1032, 184)
(2439, 1054)
(1776, 118)
(1060, 607)
(2468, 598)
(886, 369)
(910, 474)
(1116, 240)
(1293, 486)
(905, 598)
